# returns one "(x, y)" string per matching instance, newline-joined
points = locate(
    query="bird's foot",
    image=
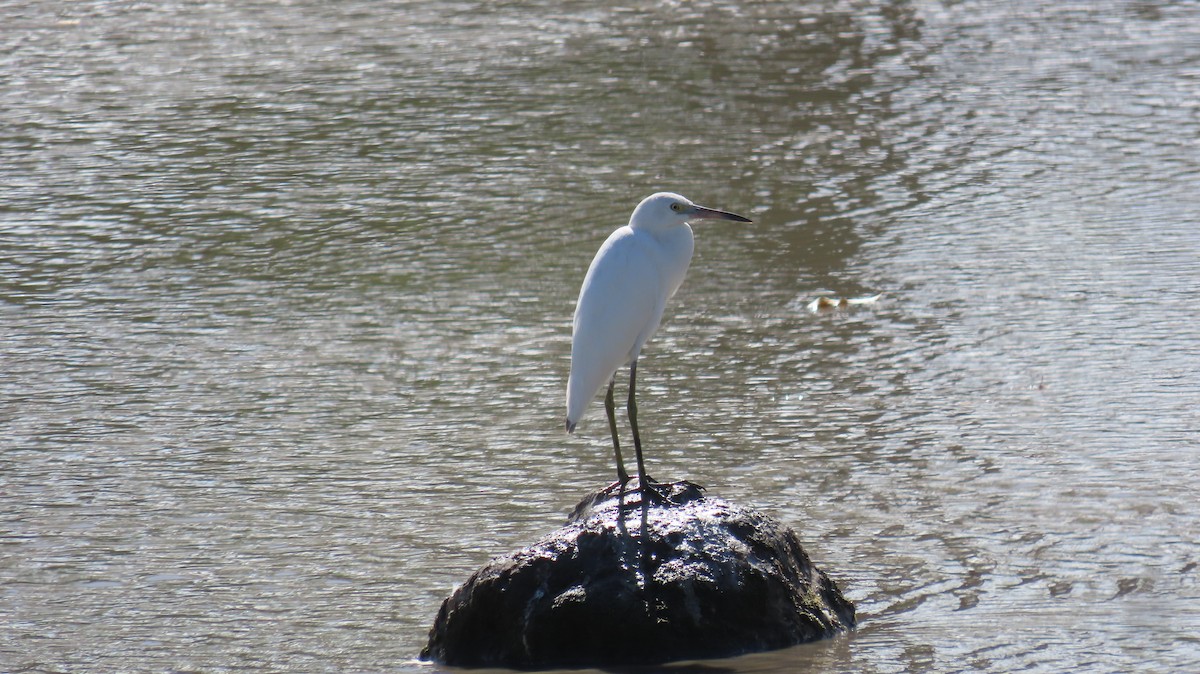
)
(616, 486)
(658, 492)
(651, 489)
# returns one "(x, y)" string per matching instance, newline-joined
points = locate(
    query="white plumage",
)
(635, 272)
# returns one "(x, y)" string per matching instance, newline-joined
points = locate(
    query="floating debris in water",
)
(826, 303)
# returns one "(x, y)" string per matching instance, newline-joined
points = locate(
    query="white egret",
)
(635, 272)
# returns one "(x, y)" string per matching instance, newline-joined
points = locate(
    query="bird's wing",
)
(620, 305)
(621, 298)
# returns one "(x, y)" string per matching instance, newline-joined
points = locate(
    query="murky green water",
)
(285, 292)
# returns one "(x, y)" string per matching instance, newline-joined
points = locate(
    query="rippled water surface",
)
(285, 293)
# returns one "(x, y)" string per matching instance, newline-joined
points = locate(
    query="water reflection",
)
(286, 293)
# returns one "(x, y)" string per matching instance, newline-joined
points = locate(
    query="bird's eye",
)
(676, 206)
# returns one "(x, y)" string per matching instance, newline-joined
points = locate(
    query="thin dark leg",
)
(650, 489)
(610, 409)
(631, 409)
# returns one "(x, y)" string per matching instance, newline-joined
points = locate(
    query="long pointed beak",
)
(702, 213)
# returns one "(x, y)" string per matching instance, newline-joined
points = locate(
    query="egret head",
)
(667, 209)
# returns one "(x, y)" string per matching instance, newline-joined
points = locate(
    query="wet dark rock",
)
(631, 583)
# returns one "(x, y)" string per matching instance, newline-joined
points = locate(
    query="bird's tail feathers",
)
(570, 426)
